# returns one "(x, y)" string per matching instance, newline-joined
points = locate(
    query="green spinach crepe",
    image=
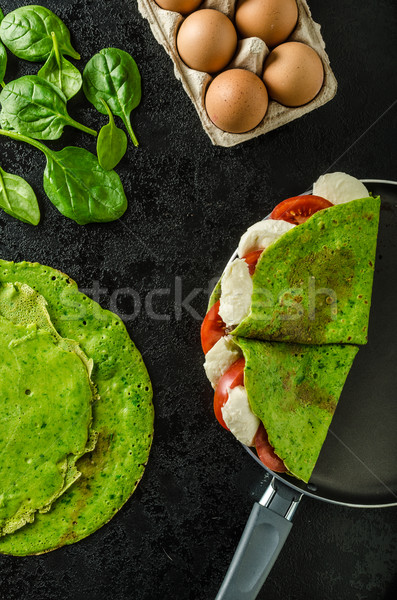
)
(98, 482)
(309, 311)
(45, 400)
(294, 390)
(314, 284)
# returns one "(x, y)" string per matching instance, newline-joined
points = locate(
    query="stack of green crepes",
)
(76, 414)
(309, 314)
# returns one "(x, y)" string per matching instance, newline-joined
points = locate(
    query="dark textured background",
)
(188, 204)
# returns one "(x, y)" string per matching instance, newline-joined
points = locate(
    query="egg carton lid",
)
(251, 53)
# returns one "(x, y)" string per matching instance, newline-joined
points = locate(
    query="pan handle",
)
(263, 537)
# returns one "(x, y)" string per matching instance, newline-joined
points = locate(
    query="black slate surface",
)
(188, 204)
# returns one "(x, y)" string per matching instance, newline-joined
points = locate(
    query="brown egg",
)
(207, 40)
(293, 74)
(182, 6)
(270, 20)
(236, 100)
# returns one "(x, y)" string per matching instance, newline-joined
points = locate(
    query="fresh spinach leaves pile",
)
(83, 187)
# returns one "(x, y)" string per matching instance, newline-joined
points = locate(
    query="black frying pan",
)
(357, 465)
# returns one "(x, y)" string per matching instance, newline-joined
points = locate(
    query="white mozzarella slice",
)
(239, 417)
(221, 356)
(236, 287)
(339, 188)
(261, 235)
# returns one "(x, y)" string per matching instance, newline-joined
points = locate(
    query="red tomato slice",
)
(298, 209)
(251, 259)
(234, 376)
(266, 452)
(212, 328)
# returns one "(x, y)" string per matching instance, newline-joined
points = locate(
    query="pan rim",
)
(309, 493)
(288, 483)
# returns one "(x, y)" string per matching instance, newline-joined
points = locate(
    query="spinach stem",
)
(19, 137)
(2, 84)
(56, 49)
(73, 54)
(23, 138)
(127, 123)
(82, 127)
(111, 119)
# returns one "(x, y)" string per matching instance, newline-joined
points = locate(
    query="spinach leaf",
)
(77, 185)
(112, 75)
(18, 199)
(81, 189)
(59, 71)
(26, 31)
(36, 108)
(111, 144)
(3, 63)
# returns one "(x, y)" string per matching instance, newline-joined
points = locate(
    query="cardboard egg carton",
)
(251, 53)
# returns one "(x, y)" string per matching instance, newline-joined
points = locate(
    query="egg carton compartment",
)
(250, 54)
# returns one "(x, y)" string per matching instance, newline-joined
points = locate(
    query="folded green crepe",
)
(122, 412)
(314, 284)
(45, 401)
(294, 390)
(310, 306)
(22, 305)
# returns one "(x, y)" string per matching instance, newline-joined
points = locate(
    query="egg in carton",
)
(251, 54)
